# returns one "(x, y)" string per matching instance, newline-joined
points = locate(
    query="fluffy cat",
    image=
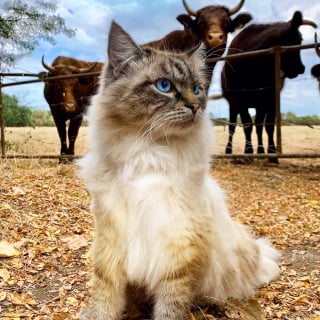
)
(161, 221)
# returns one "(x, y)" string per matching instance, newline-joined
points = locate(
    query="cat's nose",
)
(193, 106)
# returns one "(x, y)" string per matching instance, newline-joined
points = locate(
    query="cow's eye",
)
(164, 85)
(196, 89)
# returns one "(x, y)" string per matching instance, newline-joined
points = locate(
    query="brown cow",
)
(210, 25)
(68, 98)
(315, 70)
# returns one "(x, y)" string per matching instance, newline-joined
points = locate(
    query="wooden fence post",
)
(3, 149)
(278, 85)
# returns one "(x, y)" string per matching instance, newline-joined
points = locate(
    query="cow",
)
(315, 70)
(250, 82)
(209, 25)
(68, 98)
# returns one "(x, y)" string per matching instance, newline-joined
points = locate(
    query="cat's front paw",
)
(84, 314)
(91, 313)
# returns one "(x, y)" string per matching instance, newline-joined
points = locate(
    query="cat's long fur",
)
(161, 221)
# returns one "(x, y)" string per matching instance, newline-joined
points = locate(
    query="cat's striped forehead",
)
(177, 66)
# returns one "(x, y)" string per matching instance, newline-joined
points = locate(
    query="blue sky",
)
(147, 20)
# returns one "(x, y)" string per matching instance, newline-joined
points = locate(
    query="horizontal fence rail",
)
(213, 156)
(276, 51)
(267, 156)
(262, 52)
(44, 78)
(41, 156)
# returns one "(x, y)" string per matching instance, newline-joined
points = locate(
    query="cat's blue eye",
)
(164, 85)
(196, 89)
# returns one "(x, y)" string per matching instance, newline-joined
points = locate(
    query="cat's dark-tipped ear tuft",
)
(121, 47)
(198, 51)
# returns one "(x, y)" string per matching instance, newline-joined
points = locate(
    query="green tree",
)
(290, 118)
(309, 120)
(23, 23)
(15, 115)
(42, 118)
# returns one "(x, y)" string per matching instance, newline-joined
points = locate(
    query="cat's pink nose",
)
(193, 106)
(196, 107)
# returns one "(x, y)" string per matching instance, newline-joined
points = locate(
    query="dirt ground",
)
(46, 228)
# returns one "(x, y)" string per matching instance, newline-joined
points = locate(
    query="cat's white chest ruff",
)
(157, 220)
(143, 254)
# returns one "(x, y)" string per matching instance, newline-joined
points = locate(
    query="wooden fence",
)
(276, 51)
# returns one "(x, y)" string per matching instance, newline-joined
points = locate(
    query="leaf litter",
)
(47, 228)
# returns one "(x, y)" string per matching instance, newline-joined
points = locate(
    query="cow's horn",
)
(85, 70)
(316, 44)
(309, 23)
(237, 8)
(188, 9)
(46, 66)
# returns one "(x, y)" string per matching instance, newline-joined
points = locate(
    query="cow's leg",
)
(247, 127)
(260, 116)
(73, 130)
(270, 120)
(233, 114)
(270, 131)
(61, 127)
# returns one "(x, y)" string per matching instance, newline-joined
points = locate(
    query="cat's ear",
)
(121, 48)
(199, 51)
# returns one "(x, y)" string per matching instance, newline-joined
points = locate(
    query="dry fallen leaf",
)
(3, 295)
(4, 274)
(75, 242)
(17, 191)
(17, 316)
(60, 316)
(22, 299)
(7, 250)
(248, 310)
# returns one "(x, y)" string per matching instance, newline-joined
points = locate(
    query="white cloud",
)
(149, 20)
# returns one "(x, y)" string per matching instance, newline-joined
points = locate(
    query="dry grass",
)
(44, 212)
(42, 140)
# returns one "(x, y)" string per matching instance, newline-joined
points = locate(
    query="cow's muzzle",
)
(215, 39)
(70, 107)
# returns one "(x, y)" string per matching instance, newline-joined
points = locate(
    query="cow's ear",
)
(239, 21)
(121, 47)
(185, 20)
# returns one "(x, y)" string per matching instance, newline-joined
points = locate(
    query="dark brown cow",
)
(250, 82)
(315, 70)
(210, 25)
(68, 98)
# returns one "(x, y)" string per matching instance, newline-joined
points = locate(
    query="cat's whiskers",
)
(141, 142)
(156, 123)
(159, 123)
(214, 52)
(150, 132)
(145, 135)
